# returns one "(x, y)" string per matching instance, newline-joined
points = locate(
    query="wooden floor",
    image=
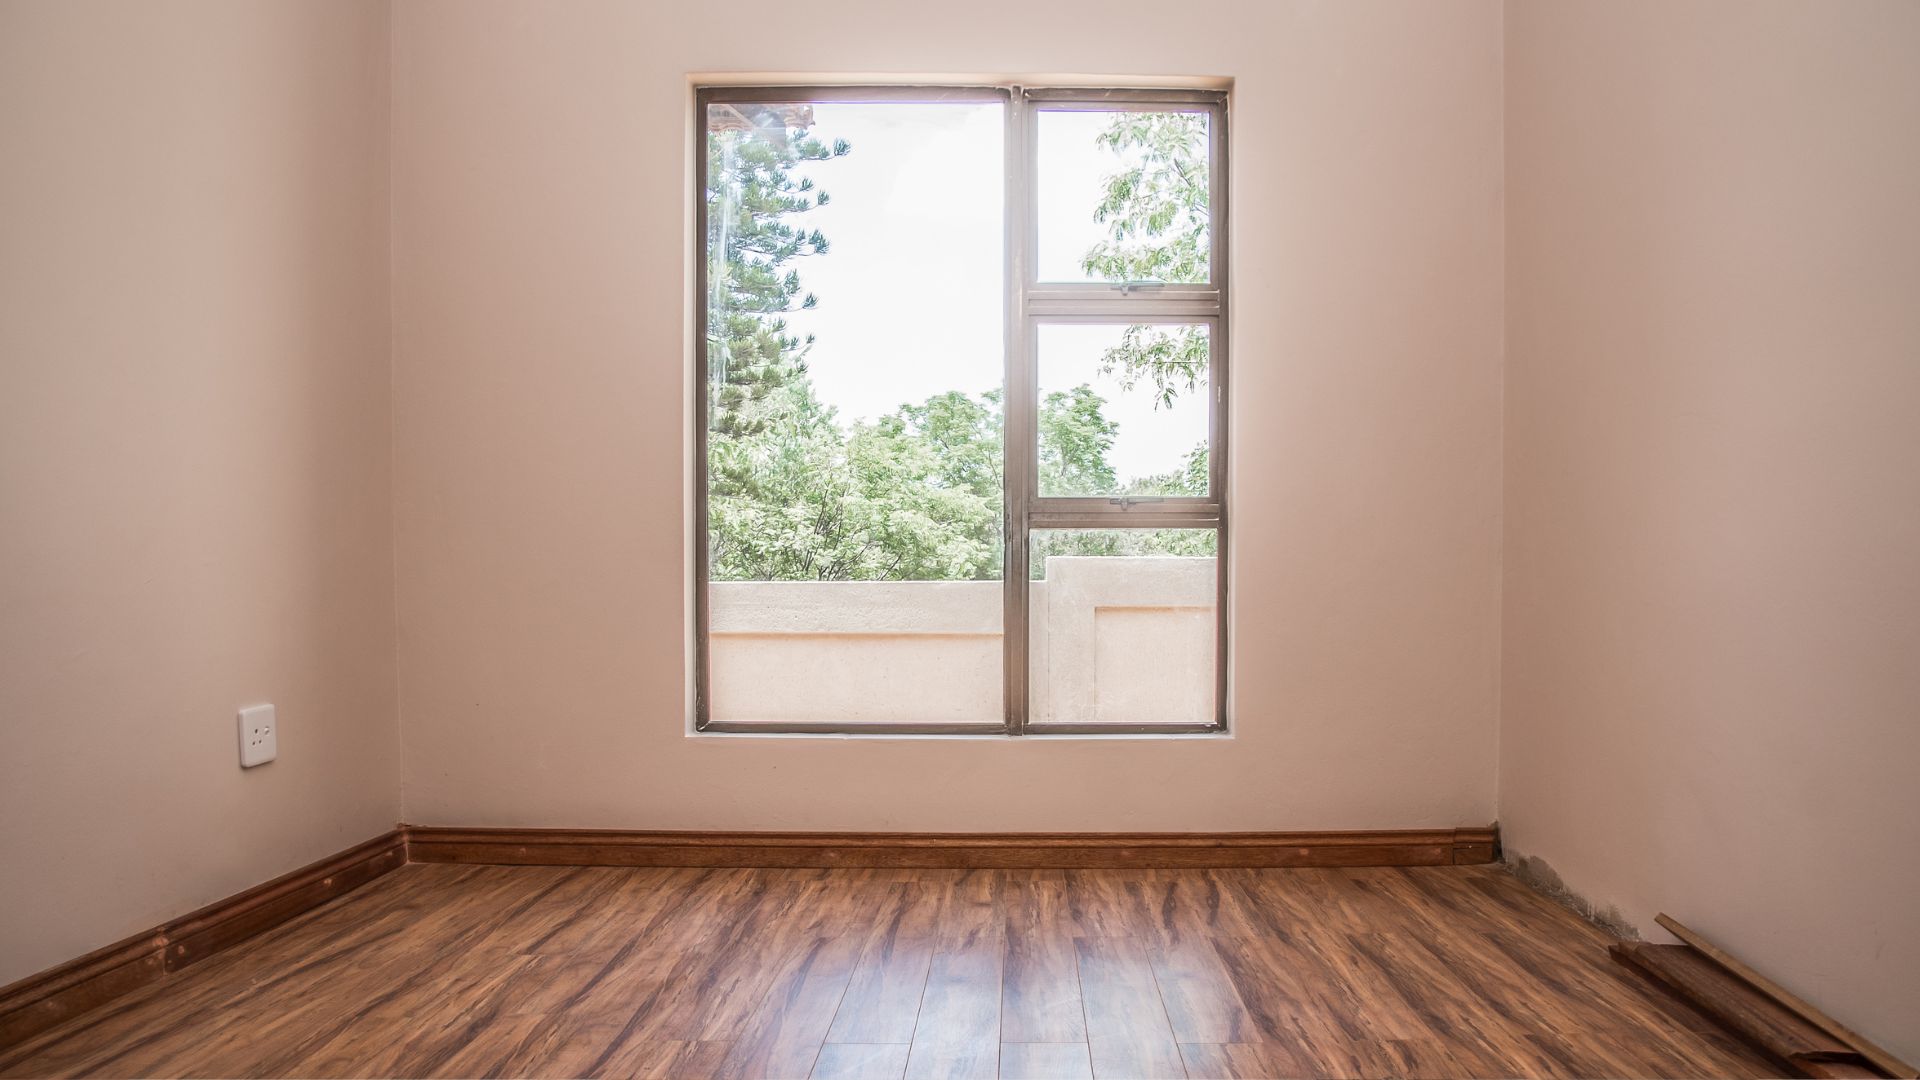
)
(534, 971)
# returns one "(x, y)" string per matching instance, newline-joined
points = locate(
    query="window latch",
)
(1128, 502)
(1126, 287)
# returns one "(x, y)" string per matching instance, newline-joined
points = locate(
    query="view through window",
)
(948, 332)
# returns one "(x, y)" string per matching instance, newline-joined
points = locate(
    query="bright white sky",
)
(911, 290)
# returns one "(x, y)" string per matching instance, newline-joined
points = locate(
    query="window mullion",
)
(1019, 420)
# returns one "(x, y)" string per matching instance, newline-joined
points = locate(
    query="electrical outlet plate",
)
(259, 736)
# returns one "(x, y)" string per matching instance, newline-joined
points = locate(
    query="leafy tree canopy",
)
(1157, 215)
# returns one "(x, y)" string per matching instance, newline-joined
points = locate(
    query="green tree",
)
(964, 434)
(1155, 209)
(1190, 480)
(775, 453)
(929, 489)
(752, 242)
(1075, 436)
(776, 500)
(1158, 220)
(961, 436)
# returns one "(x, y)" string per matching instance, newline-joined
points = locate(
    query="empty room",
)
(887, 539)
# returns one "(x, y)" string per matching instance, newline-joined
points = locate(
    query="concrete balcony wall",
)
(1113, 640)
(856, 652)
(1125, 640)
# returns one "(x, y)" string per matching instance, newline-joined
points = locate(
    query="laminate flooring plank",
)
(861, 1061)
(1111, 903)
(882, 1001)
(1040, 995)
(1201, 1003)
(783, 1037)
(1127, 1026)
(1045, 1061)
(957, 1034)
(667, 1059)
(1244, 1061)
(613, 915)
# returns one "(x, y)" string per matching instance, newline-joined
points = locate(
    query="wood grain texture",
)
(882, 999)
(458, 970)
(1878, 1056)
(1765, 1023)
(1004, 851)
(52, 997)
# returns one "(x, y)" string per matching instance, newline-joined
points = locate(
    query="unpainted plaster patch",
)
(1545, 880)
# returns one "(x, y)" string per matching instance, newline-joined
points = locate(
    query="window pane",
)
(1124, 196)
(855, 361)
(1123, 626)
(1123, 410)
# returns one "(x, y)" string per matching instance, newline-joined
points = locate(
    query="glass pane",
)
(1124, 409)
(1123, 626)
(855, 360)
(1124, 196)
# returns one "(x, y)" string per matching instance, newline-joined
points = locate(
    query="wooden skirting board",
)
(41, 1001)
(996, 851)
(38, 1002)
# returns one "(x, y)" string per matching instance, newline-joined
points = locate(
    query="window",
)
(962, 431)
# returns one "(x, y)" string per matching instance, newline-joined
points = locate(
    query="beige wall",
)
(1712, 662)
(194, 455)
(541, 399)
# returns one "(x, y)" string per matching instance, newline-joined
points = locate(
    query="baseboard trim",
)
(38, 1002)
(598, 847)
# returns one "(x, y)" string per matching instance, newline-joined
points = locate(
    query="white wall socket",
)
(259, 736)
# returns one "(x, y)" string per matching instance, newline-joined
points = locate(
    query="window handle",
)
(1126, 287)
(1128, 502)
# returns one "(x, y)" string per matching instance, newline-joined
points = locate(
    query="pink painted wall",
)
(1712, 616)
(194, 433)
(541, 395)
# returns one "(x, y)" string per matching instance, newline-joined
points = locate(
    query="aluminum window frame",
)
(1030, 304)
